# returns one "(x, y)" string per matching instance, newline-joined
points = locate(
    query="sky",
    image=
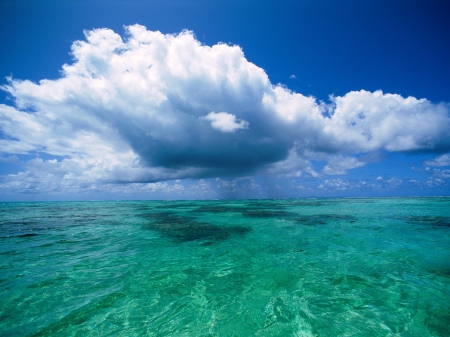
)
(215, 99)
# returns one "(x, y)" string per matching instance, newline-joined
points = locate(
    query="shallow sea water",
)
(306, 267)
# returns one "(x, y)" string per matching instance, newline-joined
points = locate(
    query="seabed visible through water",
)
(306, 267)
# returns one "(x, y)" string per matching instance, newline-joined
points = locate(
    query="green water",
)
(317, 267)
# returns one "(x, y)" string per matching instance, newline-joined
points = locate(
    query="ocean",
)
(297, 267)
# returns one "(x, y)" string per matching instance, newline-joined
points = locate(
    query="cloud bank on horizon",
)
(149, 107)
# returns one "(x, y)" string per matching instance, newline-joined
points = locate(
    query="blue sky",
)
(224, 99)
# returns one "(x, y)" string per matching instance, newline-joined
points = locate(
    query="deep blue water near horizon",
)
(295, 267)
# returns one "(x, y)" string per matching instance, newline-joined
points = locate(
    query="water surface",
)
(307, 267)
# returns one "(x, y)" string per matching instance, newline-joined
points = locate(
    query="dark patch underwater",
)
(185, 228)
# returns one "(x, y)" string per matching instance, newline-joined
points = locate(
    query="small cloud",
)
(441, 174)
(296, 174)
(394, 182)
(225, 122)
(337, 184)
(313, 173)
(292, 77)
(10, 159)
(379, 178)
(443, 160)
(338, 165)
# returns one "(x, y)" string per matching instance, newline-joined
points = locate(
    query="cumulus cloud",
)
(141, 108)
(366, 121)
(337, 184)
(225, 122)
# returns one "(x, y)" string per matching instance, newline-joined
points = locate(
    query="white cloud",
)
(338, 165)
(394, 182)
(289, 167)
(366, 121)
(343, 185)
(443, 160)
(225, 122)
(295, 174)
(135, 109)
(336, 184)
(439, 173)
(313, 173)
(9, 159)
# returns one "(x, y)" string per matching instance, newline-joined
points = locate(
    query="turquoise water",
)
(307, 267)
